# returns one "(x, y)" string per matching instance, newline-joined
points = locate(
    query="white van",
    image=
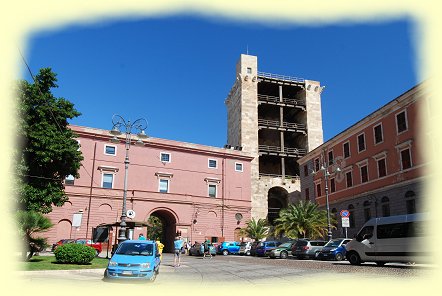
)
(389, 239)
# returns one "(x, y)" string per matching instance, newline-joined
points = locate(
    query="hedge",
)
(74, 254)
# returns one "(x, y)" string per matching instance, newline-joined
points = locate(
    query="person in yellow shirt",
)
(160, 249)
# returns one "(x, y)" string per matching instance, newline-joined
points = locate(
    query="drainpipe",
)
(90, 190)
(223, 195)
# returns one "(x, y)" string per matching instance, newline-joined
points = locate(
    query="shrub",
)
(74, 254)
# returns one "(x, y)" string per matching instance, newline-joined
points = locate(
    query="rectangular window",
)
(349, 179)
(164, 186)
(108, 180)
(382, 168)
(318, 190)
(238, 167)
(367, 214)
(401, 122)
(316, 164)
(332, 185)
(347, 150)
(307, 194)
(330, 157)
(361, 142)
(165, 157)
(305, 171)
(411, 206)
(69, 180)
(405, 159)
(249, 70)
(364, 174)
(212, 190)
(378, 136)
(213, 163)
(110, 150)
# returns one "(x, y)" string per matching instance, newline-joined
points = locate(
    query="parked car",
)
(244, 248)
(253, 248)
(282, 251)
(62, 242)
(195, 250)
(135, 260)
(264, 248)
(334, 250)
(227, 248)
(306, 248)
(88, 242)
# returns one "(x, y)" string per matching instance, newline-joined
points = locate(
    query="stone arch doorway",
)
(277, 199)
(168, 224)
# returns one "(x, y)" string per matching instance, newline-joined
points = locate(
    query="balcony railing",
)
(287, 150)
(276, 100)
(281, 77)
(286, 125)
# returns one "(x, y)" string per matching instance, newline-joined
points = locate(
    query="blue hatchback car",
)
(134, 259)
(334, 250)
(264, 248)
(227, 248)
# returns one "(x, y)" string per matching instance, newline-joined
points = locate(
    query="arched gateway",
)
(168, 221)
(277, 199)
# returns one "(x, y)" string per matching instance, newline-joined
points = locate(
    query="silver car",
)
(282, 251)
(244, 248)
(306, 248)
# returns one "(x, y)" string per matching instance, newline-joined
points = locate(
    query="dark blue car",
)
(334, 250)
(227, 248)
(264, 248)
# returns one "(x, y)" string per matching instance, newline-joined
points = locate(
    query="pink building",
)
(382, 169)
(199, 191)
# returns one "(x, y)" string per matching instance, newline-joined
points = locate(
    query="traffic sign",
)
(345, 222)
(345, 213)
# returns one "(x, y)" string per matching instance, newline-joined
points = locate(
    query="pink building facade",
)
(382, 168)
(199, 191)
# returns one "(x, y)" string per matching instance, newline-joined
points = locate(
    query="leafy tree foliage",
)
(29, 223)
(48, 149)
(302, 220)
(256, 229)
(155, 231)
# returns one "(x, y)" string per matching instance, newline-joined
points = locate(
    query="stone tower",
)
(277, 119)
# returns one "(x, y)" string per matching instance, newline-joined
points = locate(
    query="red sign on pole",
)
(345, 213)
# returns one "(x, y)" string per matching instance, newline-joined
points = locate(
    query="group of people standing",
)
(183, 247)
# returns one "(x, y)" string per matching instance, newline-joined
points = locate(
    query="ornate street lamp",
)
(328, 169)
(119, 127)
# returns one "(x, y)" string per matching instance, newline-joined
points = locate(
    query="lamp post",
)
(120, 126)
(324, 167)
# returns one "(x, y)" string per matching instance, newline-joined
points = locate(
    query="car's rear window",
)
(301, 243)
(318, 243)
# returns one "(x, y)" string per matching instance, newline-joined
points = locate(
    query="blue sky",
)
(176, 71)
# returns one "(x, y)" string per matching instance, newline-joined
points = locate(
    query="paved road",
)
(243, 270)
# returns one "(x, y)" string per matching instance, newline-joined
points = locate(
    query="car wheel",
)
(248, 253)
(339, 257)
(154, 276)
(283, 255)
(354, 258)
(225, 252)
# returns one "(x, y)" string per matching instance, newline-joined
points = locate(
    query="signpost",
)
(345, 219)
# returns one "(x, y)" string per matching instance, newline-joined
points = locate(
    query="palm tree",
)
(301, 220)
(29, 223)
(256, 230)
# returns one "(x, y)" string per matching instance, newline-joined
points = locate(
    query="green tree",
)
(155, 230)
(48, 150)
(29, 223)
(301, 220)
(256, 229)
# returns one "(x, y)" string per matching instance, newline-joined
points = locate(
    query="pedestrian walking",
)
(178, 244)
(207, 249)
